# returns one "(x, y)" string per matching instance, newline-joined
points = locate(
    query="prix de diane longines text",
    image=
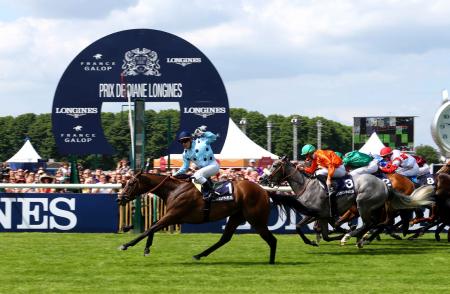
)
(142, 90)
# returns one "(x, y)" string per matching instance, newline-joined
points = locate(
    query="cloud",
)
(81, 9)
(336, 59)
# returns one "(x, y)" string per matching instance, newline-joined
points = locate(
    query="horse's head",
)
(131, 190)
(276, 173)
(445, 169)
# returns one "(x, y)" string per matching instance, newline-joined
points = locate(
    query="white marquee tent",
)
(26, 158)
(373, 145)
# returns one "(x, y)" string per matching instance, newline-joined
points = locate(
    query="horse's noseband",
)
(125, 195)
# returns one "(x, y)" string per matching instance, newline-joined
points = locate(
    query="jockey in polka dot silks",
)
(197, 149)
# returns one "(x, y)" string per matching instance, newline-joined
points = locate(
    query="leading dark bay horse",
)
(370, 195)
(185, 204)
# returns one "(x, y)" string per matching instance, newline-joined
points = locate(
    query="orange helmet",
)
(385, 151)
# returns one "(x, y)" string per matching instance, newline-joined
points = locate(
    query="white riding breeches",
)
(202, 174)
(371, 168)
(409, 171)
(425, 169)
(339, 172)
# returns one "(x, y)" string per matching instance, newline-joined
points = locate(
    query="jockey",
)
(424, 168)
(198, 150)
(324, 163)
(360, 163)
(399, 162)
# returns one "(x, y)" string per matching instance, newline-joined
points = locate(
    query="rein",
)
(305, 185)
(159, 185)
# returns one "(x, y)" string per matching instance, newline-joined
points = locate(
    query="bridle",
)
(282, 167)
(135, 179)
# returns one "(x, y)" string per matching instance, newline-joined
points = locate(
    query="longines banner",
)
(28, 212)
(147, 64)
(278, 223)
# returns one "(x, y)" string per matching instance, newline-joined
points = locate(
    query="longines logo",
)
(205, 111)
(76, 112)
(139, 61)
(184, 61)
(98, 64)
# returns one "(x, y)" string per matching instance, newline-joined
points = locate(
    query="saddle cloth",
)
(382, 176)
(344, 186)
(426, 179)
(223, 189)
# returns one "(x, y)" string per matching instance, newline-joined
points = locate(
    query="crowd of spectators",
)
(62, 175)
(120, 175)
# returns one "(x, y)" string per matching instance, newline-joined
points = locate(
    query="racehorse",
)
(185, 204)
(440, 216)
(370, 195)
(401, 184)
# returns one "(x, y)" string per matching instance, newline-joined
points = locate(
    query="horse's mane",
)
(179, 178)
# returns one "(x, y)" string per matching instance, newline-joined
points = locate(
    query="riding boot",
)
(207, 190)
(322, 179)
(332, 191)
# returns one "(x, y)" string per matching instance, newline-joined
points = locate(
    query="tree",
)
(430, 154)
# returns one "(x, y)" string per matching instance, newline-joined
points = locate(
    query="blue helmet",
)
(184, 135)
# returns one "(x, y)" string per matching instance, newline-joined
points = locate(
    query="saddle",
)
(223, 191)
(343, 186)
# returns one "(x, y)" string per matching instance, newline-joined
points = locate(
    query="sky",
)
(336, 59)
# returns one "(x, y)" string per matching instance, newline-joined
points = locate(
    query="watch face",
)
(443, 126)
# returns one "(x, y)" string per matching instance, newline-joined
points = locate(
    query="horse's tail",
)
(289, 201)
(420, 197)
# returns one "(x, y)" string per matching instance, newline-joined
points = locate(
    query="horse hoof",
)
(360, 245)
(196, 257)
(314, 244)
(345, 239)
(395, 236)
(122, 248)
(366, 236)
(146, 252)
(318, 239)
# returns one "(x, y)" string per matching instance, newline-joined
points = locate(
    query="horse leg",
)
(347, 216)
(325, 231)
(270, 239)
(378, 230)
(438, 231)
(306, 220)
(230, 228)
(419, 232)
(406, 216)
(163, 222)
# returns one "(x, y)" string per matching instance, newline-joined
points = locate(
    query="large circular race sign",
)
(138, 64)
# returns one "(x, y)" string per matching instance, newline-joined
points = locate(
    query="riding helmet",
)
(184, 135)
(385, 151)
(308, 148)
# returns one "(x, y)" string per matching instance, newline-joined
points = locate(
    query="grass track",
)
(90, 263)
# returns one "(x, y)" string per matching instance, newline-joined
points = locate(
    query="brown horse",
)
(185, 204)
(440, 211)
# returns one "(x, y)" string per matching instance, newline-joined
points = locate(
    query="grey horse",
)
(370, 196)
